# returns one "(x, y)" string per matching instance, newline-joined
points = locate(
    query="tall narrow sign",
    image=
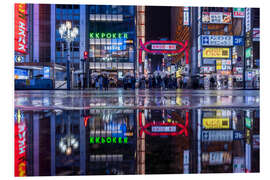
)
(20, 28)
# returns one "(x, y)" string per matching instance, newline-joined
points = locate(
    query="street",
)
(118, 131)
(118, 98)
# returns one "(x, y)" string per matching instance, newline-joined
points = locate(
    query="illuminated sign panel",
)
(238, 12)
(20, 144)
(216, 53)
(217, 136)
(20, 28)
(101, 35)
(217, 40)
(248, 19)
(248, 52)
(216, 158)
(163, 128)
(216, 123)
(163, 46)
(108, 140)
(217, 17)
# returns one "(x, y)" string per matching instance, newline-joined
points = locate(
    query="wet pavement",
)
(136, 132)
(69, 100)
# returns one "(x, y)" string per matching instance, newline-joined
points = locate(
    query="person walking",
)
(100, 82)
(105, 82)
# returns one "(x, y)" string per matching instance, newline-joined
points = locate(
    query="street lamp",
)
(69, 34)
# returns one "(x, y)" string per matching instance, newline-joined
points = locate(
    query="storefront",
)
(112, 38)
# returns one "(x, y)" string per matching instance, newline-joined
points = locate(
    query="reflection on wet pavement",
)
(134, 99)
(142, 132)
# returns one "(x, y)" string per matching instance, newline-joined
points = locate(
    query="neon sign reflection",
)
(169, 129)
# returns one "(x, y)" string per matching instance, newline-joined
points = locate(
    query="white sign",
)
(217, 40)
(248, 19)
(163, 47)
(163, 128)
(248, 157)
(256, 34)
(217, 135)
(186, 17)
(186, 161)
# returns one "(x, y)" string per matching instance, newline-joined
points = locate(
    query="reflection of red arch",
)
(181, 126)
(183, 45)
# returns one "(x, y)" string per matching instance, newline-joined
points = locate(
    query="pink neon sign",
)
(164, 47)
(144, 129)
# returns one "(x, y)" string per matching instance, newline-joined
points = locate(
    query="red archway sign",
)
(144, 128)
(164, 47)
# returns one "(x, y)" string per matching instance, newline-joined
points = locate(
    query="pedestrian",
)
(150, 81)
(100, 82)
(212, 82)
(184, 82)
(105, 82)
(96, 82)
(133, 81)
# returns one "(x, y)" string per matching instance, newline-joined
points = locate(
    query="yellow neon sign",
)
(216, 53)
(216, 123)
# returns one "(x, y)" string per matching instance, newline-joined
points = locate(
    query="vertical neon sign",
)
(20, 28)
(20, 144)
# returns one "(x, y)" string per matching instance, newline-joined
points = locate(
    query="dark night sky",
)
(157, 22)
(158, 19)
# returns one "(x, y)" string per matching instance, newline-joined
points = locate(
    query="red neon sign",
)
(20, 28)
(167, 47)
(86, 120)
(144, 129)
(20, 145)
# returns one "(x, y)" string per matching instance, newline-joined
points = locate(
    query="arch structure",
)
(164, 47)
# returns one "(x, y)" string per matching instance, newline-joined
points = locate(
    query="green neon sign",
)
(108, 140)
(102, 35)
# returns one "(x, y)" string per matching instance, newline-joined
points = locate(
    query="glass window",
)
(92, 9)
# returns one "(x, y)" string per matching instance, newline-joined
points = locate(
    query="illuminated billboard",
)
(216, 17)
(216, 52)
(20, 144)
(216, 123)
(20, 28)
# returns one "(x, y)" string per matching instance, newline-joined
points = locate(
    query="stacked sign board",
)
(218, 47)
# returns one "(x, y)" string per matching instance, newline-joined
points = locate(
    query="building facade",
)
(108, 33)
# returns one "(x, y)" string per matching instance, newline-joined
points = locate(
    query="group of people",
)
(165, 82)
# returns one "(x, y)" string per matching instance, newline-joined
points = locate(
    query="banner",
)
(216, 53)
(216, 17)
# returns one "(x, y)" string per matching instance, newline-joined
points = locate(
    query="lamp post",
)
(69, 34)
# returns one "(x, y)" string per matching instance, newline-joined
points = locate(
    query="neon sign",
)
(163, 128)
(164, 47)
(98, 35)
(108, 140)
(20, 28)
(20, 144)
